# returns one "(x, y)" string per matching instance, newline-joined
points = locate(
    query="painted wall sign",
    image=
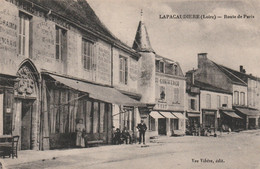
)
(167, 81)
(133, 69)
(44, 35)
(161, 106)
(103, 64)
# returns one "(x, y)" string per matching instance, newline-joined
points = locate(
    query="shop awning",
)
(249, 112)
(232, 114)
(179, 115)
(156, 115)
(102, 93)
(193, 114)
(168, 115)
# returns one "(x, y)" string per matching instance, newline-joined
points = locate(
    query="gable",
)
(211, 74)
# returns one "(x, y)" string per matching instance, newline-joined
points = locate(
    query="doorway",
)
(26, 126)
(162, 126)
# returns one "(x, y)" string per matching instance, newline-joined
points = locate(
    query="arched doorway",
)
(26, 106)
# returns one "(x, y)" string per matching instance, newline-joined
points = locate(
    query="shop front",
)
(250, 117)
(69, 100)
(229, 120)
(166, 123)
(193, 123)
(209, 121)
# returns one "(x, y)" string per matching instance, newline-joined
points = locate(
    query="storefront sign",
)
(167, 82)
(161, 106)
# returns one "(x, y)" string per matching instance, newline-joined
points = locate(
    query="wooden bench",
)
(94, 142)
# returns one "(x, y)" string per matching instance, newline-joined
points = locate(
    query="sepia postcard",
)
(139, 84)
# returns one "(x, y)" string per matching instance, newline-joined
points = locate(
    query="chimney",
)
(202, 57)
(190, 77)
(242, 70)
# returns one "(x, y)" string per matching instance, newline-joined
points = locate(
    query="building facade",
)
(61, 65)
(225, 79)
(162, 84)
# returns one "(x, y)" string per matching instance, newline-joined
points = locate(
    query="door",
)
(162, 126)
(26, 127)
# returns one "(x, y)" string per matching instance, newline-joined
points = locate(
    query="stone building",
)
(59, 64)
(225, 79)
(161, 83)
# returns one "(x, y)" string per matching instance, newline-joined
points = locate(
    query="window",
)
(193, 105)
(208, 101)
(162, 93)
(60, 43)
(226, 100)
(88, 55)
(123, 70)
(161, 67)
(218, 101)
(175, 70)
(242, 98)
(176, 95)
(157, 64)
(24, 34)
(236, 97)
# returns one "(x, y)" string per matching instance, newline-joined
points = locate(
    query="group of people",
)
(118, 136)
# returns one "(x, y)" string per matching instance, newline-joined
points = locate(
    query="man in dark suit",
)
(142, 129)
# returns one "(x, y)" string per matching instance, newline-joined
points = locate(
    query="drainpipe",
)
(112, 68)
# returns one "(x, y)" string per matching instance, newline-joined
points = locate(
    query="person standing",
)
(80, 128)
(142, 129)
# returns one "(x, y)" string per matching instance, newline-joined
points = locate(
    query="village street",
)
(235, 150)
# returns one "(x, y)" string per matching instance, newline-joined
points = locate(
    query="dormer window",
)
(161, 67)
(175, 70)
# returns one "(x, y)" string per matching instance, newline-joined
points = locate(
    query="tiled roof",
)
(241, 75)
(235, 79)
(80, 12)
(142, 41)
(209, 87)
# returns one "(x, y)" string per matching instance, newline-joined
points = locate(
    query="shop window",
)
(24, 34)
(123, 70)
(152, 124)
(88, 55)
(61, 47)
(176, 124)
(162, 93)
(208, 101)
(176, 95)
(236, 97)
(242, 98)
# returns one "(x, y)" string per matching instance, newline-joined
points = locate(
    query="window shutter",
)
(126, 71)
(195, 104)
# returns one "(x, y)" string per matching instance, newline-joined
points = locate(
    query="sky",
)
(230, 42)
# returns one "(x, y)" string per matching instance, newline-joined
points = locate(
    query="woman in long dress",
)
(80, 128)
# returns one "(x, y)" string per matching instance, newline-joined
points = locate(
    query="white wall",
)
(214, 101)
(240, 89)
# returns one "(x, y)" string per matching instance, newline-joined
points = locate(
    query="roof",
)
(209, 87)
(241, 75)
(235, 79)
(142, 41)
(81, 13)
